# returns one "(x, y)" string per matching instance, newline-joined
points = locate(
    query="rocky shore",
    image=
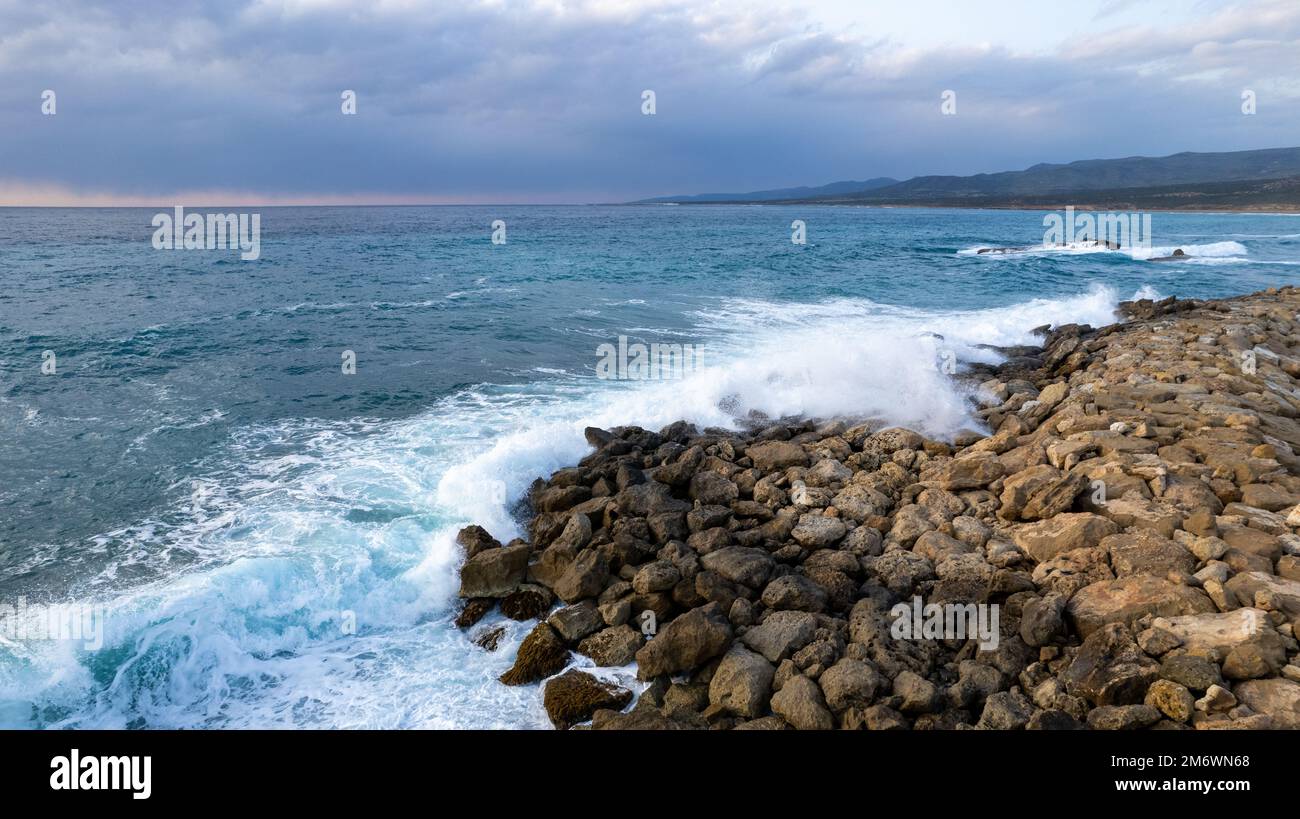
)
(1131, 521)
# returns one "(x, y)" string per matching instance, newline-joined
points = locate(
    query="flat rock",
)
(1066, 532)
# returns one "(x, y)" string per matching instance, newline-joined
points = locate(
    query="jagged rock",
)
(1006, 711)
(849, 683)
(740, 564)
(584, 577)
(476, 608)
(1171, 699)
(1110, 669)
(494, 572)
(475, 539)
(576, 621)
(613, 646)
(781, 634)
(800, 703)
(1122, 717)
(526, 602)
(742, 683)
(541, 654)
(575, 696)
(818, 531)
(1042, 619)
(688, 641)
(793, 591)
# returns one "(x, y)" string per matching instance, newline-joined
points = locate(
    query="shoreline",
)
(1128, 530)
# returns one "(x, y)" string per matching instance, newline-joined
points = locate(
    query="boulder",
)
(742, 683)
(849, 683)
(577, 621)
(1066, 532)
(1126, 599)
(740, 564)
(613, 646)
(1110, 669)
(494, 572)
(781, 634)
(800, 703)
(575, 696)
(793, 591)
(687, 642)
(774, 455)
(815, 531)
(1278, 698)
(541, 654)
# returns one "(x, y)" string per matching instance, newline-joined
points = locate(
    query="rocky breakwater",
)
(1133, 518)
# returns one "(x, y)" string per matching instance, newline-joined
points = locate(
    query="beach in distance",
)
(253, 476)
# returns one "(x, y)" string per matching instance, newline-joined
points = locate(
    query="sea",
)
(229, 489)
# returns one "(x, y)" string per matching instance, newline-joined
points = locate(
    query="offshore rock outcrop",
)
(1133, 517)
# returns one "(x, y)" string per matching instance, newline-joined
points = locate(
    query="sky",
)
(531, 101)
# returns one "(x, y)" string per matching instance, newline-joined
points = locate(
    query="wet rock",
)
(526, 602)
(475, 539)
(494, 572)
(476, 608)
(613, 646)
(575, 696)
(541, 654)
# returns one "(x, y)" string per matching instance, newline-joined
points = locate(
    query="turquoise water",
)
(200, 470)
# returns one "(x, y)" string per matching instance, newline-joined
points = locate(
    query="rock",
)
(574, 622)
(494, 572)
(656, 576)
(1042, 619)
(541, 654)
(475, 539)
(489, 639)
(1122, 717)
(1053, 720)
(1171, 699)
(575, 696)
(1128, 598)
(613, 646)
(688, 641)
(781, 634)
(476, 608)
(1110, 669)
(849, 683)
(818, 531)
(576, 533)
(972, 472)
(1285, 593)
(1066, 532)
(774, 455)
(526, 602)
(711, 489)
(1006, 711)
(1217, 699)
(793, 591)
(740, 564)
(1278, 698)
(742, 683)
(1268, 497)
(918, 694)
(584, 577)
(1146, 552)
(1192, 672)
(800, 703)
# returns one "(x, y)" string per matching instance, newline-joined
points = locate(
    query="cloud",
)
(539, 100)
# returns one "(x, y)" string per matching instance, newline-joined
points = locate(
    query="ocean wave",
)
(234, 610)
